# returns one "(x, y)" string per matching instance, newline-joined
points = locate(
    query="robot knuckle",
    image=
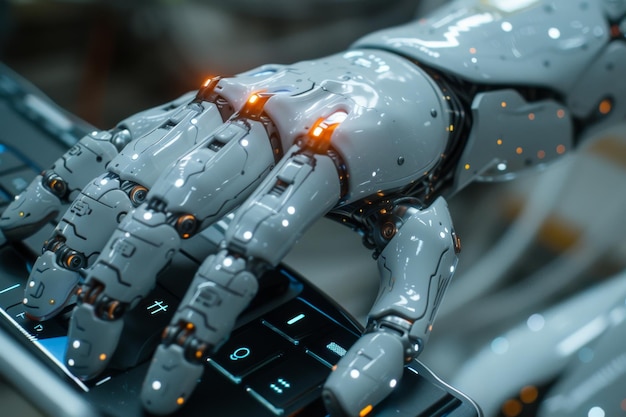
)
(55, 184)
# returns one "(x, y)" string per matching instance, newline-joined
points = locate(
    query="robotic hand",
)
(374, 137)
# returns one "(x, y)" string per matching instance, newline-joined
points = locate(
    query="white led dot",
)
(355, 373)
(285, 223)
(247, 235)
(76, 344)
(535, 322)
(291, 209)
(31, 284)
(393, 383)
(147, 215)
(506, 26)
(25, 301)
(179, 182)
(554, 33)
(244, 142)
(596, 412)
(194, 121)
(442, 234)
(501, 166)
(134, 157)
(71, 362)
(104, 181)
(500, 345)
(156, 385)
(227, 262)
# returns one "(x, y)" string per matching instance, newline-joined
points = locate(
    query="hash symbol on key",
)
(158, 306)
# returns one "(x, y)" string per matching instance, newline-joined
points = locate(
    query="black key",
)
(297, 320)
(13, 276)
(291, 382)
(41, 330)
(8, 160)
(16, 182)
(5, 199)
(418, 397)
(248, 350)
(11, 292)
(329, 347)
(143, 327)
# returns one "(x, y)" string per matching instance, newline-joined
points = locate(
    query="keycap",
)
(8, 160)
(41, 330)
(415, 396)
(330, 346)
(290, 382)
(143, 327)
(247, 350)
(297, 320)
(16, 182)
(12, 277)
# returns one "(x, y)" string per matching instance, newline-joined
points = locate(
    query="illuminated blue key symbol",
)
(240, 353)
(280, 385)
(336, 349)
(296, 319)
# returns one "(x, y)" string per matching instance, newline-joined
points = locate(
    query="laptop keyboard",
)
(278, 356)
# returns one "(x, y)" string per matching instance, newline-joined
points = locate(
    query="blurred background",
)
(105, 60)
(532, 322)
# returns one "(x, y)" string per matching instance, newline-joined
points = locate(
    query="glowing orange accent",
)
(615, 31)
(112, 308)
(135, 190)
(102, 356)
(451, 128)
(324, 127)
(503, 104)
(207, 82)
(560, 149)
(467, 166)
(189, 326)
(472, 50)
(499, 142)
(68, 261)
(366, 410)
(198, 354)
(605, 106)
(181, 220)
(253, 108)
(512, 408)
(334, 368)
(560, 113)
(519, 150)
(529, 394)
(430, 328)
(531, 116)
(180, 401)
(541, 154)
